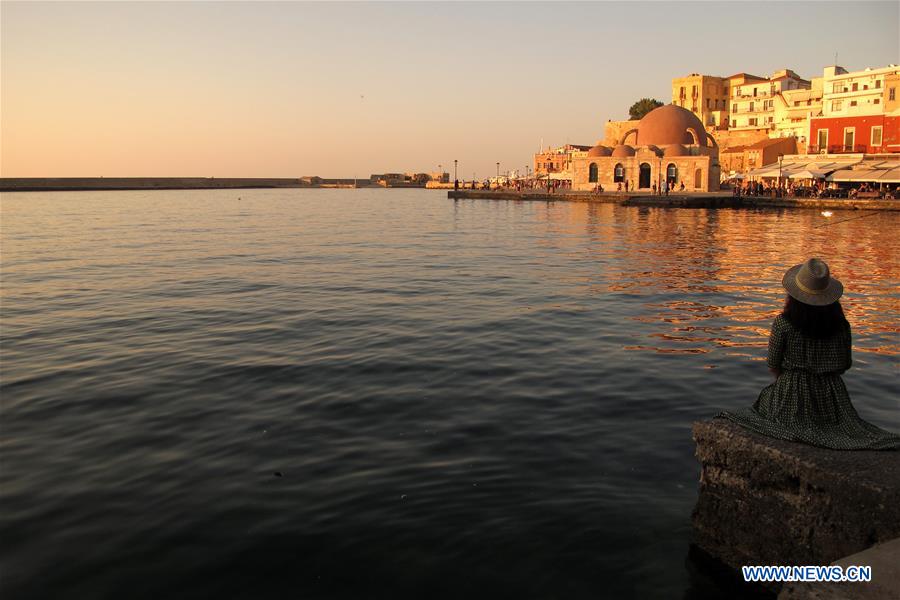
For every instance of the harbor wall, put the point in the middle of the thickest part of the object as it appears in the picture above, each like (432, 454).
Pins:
(44, 184)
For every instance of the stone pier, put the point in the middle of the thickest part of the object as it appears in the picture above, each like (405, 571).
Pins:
(765, 501)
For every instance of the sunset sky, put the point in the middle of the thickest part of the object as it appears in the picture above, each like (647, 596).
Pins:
(348, 89)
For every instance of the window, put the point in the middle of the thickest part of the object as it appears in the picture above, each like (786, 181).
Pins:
(734, 107)
(877, 100)
(619, 173)
(592, 173)
(849, 138)
(865, 87)
(751, 107)
(823, 140)
(754, 92)
(891, 93)
(853, 103)
(708, 103)
(737, 92)
(836, 105)
(752, 121)
(796, 103)
(877, 84)
(876, 136)
(734, 123)
(855, 87)
(836, 88)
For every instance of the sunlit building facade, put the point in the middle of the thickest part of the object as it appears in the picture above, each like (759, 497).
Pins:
(670, 144)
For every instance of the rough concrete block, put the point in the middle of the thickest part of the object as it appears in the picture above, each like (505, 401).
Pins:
(765, 501)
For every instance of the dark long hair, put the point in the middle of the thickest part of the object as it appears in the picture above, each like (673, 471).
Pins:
(815, 321)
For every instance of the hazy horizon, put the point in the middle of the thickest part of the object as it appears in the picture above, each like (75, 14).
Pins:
(348, 89)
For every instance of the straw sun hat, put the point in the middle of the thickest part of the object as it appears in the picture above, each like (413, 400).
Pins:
(812, 283)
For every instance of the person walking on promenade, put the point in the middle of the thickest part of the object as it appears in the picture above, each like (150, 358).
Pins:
(809, 349)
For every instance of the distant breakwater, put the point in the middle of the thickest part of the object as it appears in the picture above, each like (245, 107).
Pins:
(58, 184)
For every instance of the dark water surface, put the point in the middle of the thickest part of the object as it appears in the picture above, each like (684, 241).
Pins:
(385, 393)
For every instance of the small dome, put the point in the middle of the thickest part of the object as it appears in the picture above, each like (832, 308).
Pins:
(668, 125)
(622, 151)
(599, 150)
(654, 149)
(675, 150)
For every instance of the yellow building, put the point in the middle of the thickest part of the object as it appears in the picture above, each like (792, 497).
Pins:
(670, 144)
(704, 95)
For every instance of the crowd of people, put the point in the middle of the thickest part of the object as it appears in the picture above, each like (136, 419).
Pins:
(788, 188)
(815, 189)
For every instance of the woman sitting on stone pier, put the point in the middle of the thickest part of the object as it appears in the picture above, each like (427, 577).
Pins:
(809, 349)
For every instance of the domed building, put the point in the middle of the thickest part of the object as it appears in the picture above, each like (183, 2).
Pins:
(669, 144)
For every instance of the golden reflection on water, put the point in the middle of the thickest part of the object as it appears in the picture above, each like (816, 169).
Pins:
(734, 260)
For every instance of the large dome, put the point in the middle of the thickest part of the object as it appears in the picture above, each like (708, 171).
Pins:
(669, 125)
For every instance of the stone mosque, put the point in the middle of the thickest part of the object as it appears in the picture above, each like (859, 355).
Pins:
(669, 144)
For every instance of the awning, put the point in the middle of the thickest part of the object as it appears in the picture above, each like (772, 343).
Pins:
(890, 176)
(866, 175)
(799, 163)
(808, 174)
(765, 172)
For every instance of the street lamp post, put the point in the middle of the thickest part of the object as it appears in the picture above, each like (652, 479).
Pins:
(455, 178)
(659, 178)
(780, 158)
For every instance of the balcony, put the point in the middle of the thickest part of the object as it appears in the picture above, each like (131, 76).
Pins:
(837, 149)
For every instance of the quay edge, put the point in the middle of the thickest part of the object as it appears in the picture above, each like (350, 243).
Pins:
(702, 200)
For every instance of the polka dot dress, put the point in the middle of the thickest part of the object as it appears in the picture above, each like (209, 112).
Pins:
(808, 402)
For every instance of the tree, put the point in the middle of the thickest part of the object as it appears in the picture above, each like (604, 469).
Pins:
(642, 107)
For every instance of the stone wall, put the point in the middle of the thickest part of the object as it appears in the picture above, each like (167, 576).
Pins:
(686, 166)
(765, 501)
(614, 130)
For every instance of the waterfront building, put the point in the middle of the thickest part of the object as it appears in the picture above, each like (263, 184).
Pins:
(670, 144)
(860, 112)
(557, 162)
(870, 134)
(767, 151)
(857, 93)
(794, 109)
(704, 95)
(753, 98)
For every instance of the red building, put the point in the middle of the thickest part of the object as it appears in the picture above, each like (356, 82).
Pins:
(873, 134)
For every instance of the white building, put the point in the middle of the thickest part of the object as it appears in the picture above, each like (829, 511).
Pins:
(753, 98)
(855, 94)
